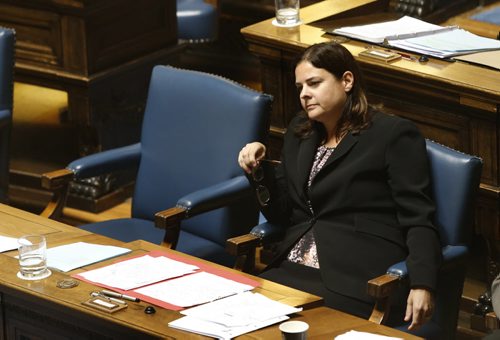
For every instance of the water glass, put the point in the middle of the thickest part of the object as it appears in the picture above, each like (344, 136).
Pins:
(287, 12)
(33, 257)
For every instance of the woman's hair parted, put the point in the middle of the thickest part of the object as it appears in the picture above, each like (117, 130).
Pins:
(336, 59)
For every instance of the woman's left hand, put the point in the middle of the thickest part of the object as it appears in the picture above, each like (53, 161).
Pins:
(419, 307)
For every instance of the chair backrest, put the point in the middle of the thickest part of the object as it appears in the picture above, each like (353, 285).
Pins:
(7, 41)
(197, 21)
(455, 183)
(193, 128)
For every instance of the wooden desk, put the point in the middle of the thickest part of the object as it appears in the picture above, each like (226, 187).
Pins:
(454, 103)
(326, 323)
(40, 310)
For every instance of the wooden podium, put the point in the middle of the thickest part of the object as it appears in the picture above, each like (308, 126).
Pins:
(101, 53)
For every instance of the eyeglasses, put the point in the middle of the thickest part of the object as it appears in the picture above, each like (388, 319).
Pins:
(261, 191)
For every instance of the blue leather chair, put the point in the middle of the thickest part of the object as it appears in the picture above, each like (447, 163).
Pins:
(455, 180)
(7, 41)
(193, 128)
(197, 21)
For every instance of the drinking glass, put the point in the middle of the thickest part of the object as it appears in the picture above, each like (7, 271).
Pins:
(287, 12)
(33, 257)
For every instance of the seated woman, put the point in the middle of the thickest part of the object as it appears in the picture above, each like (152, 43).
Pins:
(353, 190)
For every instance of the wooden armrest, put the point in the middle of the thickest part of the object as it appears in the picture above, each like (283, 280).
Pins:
(57, 182)
(491, 321)
(243, 247)
(381, 289)
(170, 220)
(56, 179)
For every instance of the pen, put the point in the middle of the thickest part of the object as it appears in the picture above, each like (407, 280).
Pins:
(120, 296)
(95, 294)
(403, 55)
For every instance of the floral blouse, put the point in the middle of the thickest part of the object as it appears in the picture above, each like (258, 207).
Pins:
(304, 252)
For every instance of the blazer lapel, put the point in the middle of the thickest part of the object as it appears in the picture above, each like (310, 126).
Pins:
(305, 157)
(344, 146)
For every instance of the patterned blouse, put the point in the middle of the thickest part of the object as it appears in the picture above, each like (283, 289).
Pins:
(304, 252)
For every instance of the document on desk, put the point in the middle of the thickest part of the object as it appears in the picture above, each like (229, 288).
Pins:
(377, 33)
(138, 272)
(447, 44)
(75, 255)
(194, 289)
(415, 35)
(8, 243)
(355, 335)
(232, 316)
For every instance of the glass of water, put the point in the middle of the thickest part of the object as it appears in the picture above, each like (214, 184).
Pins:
(287, 12)
(33, 257)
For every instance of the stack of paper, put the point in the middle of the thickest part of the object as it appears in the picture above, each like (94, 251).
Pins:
(194, 289)
(233, 316)
(411, 34)
(166, 282)
(447, 44)
(138, 272)
(397, 29)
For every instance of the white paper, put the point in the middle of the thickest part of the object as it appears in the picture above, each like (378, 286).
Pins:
(415, 35)
(232, 316)
(447, 44)
(138, 272)
(194, 325)
(193, 289)
(79, 254)
(8, 243)
(355, 335)
(241, 309)
(377, 33)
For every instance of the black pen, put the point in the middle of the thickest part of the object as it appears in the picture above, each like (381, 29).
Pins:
(120, 296)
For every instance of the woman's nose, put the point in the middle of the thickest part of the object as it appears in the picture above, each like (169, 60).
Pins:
(304, 92)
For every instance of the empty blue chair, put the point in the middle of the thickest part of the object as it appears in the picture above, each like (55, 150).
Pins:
(193, 128)
(7, 41)
(197, 21)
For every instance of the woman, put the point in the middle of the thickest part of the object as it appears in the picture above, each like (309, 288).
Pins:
(353, 192)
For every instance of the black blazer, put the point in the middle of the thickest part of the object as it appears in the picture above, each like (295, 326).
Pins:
(371, 203)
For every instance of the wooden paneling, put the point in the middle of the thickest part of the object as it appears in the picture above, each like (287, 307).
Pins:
(83, 47)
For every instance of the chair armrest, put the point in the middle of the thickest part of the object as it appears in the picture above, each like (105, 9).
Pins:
(89, 166)
(57, 182)
(382, 287)
(491, 321)
(268, 232)
(215, 196)
(195, 203)
(106, 161)
(244, 247)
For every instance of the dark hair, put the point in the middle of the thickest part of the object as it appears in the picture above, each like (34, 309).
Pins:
(336, 59)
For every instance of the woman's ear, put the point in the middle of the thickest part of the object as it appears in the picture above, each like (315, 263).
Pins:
(348, 80)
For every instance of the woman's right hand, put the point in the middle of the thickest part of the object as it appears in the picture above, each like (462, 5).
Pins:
(250, 156)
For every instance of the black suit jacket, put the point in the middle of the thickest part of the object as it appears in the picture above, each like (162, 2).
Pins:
(371, 203)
